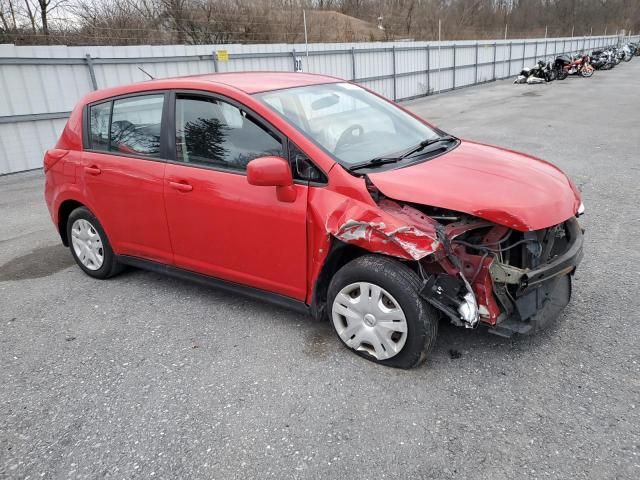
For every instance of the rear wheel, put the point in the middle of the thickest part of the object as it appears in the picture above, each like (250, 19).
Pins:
(562, 74)
(377, 312)
(90, 246)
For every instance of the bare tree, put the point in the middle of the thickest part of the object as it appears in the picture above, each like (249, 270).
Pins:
(122, 22)
(8, 15)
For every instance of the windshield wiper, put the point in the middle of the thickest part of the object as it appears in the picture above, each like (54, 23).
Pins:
(425, 143)
(374, 162)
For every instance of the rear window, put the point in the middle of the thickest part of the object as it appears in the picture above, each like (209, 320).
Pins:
(135, 125)
(99, 124)
(128, 125)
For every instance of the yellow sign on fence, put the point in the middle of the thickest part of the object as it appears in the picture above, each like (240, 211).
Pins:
(222, 56)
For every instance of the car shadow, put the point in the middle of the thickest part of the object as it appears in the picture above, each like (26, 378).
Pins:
(39, 262)
(454, 344)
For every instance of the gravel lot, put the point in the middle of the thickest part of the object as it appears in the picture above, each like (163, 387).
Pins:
(145, 376)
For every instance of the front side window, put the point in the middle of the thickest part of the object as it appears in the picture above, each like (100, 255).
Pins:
(135, 125)
(215, 133)
(350, 123)
(99, 125)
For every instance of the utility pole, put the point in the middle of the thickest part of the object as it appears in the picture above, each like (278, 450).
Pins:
(439, 46)
(504, 51)
(306, 44)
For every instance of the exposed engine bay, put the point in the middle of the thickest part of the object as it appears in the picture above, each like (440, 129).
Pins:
(519, 279)
(473, 270)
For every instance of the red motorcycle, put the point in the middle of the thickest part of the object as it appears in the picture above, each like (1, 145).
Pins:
(580, 64)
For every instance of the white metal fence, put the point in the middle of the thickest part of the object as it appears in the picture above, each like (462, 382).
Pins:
(39, 85)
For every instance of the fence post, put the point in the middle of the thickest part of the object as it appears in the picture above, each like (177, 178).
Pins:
(428, 69)
(393, 51)
(510, 48)
(353, 63)
(92, 73)
(215, 61)
(476, 69)
(454, 66)
(495, 54)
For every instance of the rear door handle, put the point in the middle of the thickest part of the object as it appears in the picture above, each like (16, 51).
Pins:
(181, 186)
(93, 170)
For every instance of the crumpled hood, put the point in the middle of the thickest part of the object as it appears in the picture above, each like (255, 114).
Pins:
(498, 185)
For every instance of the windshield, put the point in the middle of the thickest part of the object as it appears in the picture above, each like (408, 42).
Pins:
(348, 121)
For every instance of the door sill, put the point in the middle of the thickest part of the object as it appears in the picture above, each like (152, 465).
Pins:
(251, 292)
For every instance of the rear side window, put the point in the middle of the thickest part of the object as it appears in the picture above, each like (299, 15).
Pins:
(99, 124)
(218, 134)
(135, 125)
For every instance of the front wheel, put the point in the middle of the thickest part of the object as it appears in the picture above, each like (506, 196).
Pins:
(562, 74)
(376, 310)
(586, 72)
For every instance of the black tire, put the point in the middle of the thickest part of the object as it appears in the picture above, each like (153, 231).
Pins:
(562, 75)
(110, 265)
(404, 285)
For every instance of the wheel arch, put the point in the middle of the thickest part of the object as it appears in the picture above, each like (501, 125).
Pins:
(64, 210)
(340, 253)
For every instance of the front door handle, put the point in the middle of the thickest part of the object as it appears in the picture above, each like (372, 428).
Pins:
(181, 186)
(93, 170)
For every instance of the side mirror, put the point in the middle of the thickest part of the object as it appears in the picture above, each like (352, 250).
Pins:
(272, 172)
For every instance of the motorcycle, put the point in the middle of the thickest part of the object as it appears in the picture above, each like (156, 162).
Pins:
(540, 73)
(601, 60)
(559, 65)
(617, 55)
(580, 65)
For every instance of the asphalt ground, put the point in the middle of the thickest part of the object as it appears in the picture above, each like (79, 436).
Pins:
(144, 376)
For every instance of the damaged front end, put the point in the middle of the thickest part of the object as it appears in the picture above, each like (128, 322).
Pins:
(473, 270)
(405, 232)
(522, 280)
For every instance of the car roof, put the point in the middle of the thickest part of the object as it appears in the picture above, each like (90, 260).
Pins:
(255, 82)
(247, 82)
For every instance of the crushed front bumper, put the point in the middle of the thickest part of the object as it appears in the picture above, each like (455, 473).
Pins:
(541, 293)
(563, 264)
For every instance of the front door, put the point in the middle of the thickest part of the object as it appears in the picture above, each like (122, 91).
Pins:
(219, 224)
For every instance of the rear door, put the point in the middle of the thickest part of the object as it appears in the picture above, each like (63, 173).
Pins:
(123, 174)
(220, 225)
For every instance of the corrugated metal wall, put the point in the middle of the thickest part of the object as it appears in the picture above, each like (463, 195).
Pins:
(39, 85)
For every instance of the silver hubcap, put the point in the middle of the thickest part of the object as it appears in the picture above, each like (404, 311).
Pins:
(87, 244)
(368, 319)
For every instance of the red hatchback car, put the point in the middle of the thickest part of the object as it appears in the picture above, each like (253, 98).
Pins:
(317, 194)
